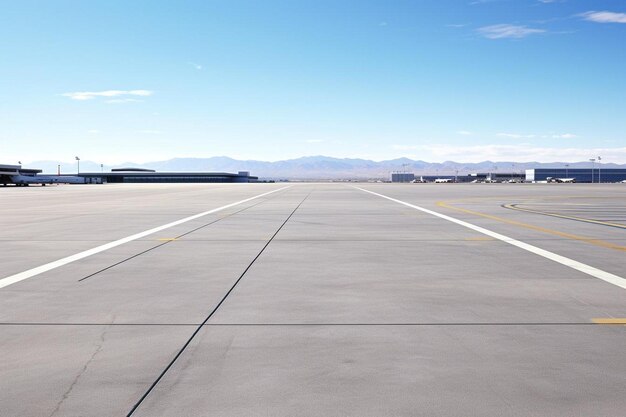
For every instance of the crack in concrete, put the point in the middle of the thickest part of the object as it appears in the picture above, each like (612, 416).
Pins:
(81, 372)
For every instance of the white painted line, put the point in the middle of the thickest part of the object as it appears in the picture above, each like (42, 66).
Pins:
(579, 266)
(81, 255)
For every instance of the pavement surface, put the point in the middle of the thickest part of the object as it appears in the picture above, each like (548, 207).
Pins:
(313, 300)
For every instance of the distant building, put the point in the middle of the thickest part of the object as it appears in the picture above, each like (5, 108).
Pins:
(578, 174)
(402, 176)
(140, 175)
(476, 177)
(15, 174)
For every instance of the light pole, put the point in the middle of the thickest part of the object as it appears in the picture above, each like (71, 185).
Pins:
(78, 165)
(592, 160)
(599, 170)
(101, 167)
(566, 168)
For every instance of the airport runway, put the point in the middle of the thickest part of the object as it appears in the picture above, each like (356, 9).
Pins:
(313, 300)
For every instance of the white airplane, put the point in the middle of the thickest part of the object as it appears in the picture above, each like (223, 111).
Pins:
(14, 174)
(25, 180)
(442, 180)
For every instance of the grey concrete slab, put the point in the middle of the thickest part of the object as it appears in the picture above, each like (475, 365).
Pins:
(111, 212)
(396, 371)
(81, 370)
(414, 282)
(180, 282)
(344, 258)
(404, 225)
(599, 246)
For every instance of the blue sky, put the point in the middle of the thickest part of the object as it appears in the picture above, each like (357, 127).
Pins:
(116, 81)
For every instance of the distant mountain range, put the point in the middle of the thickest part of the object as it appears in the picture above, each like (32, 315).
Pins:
(315, 167)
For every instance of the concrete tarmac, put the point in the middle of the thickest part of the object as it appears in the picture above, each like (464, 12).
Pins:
(313, 300)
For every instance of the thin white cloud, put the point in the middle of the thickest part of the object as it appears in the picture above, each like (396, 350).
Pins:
(196, 66)
(520, 153)
(604, 17)
(123, 100)
(93, 131)
(523, 136)
(515, 135)
(314, 141)
(464, 132)
(90, 95)
(504, 31)
(383, 24)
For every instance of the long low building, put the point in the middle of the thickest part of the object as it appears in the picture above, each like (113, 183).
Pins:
(139, 175)
(16, 175)
(577, 174)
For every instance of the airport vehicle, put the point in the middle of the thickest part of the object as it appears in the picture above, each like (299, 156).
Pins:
(561, 180)
(443, 180)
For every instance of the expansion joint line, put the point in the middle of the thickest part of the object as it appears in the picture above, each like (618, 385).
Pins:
(174, 239)
(199, 327)
(21, 276)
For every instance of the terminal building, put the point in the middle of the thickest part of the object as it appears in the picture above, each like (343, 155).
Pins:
(16, 175)
(140, 175)
(577, 174)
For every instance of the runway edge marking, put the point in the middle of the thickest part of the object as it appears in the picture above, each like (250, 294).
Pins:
(579, 266)
(21, 276)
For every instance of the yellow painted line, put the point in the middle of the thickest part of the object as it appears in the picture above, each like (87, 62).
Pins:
(520, 197)
(609, 321)
(591, 241)
(582, 219)
(168, 239)
(560, 259)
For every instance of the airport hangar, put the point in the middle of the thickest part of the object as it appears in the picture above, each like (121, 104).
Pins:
(578, 174)
(585, 175)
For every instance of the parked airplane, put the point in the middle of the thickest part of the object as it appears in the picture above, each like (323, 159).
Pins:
(561, 180)
(15, 174)
(25, 180)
